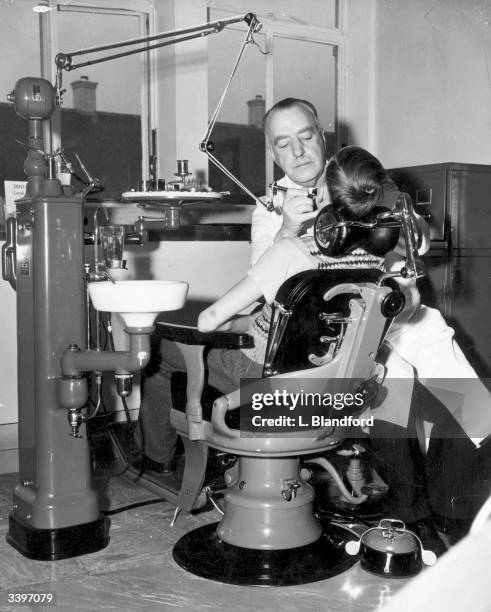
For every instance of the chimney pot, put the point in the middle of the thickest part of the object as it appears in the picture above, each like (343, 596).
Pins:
(84, 95)
(257, 109)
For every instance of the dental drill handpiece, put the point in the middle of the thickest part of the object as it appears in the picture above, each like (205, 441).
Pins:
(275, 188)
(91, 181)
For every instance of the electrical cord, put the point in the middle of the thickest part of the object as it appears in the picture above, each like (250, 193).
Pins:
(340, 516)
(147, 502)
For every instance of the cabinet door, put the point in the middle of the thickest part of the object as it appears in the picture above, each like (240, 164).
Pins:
(460, 287)
(434, 285)
(470, 203)
(428, 190)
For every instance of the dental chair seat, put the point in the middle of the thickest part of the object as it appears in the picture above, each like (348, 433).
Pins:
(269, 534)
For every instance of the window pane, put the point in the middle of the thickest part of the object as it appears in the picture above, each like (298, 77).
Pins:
(102, 104)
(304, 69)
(118, 81)
(238, 134)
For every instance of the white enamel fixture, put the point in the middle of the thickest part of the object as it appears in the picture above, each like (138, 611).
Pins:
(138, 301)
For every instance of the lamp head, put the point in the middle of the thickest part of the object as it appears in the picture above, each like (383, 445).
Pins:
(33, 98)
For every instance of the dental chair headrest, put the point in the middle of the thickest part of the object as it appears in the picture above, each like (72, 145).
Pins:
(337, 232)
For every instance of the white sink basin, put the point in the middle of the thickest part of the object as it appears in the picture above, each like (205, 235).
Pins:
(138, 301)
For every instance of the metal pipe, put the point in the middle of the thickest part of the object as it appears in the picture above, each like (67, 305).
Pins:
(328, 466)
(75, 362)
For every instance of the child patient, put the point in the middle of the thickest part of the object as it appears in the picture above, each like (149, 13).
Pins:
(419, 338)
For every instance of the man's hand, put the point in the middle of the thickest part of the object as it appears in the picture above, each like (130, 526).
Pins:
(298, 208)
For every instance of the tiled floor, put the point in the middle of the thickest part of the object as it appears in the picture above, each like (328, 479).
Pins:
(136, 572)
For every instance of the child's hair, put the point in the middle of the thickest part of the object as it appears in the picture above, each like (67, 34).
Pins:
(355, 179)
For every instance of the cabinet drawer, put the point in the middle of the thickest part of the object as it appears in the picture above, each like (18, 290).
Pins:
(428, 190)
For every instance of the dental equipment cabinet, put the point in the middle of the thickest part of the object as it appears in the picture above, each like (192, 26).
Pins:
(55, 510)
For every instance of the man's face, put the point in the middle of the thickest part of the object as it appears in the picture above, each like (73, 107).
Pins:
(297, 145)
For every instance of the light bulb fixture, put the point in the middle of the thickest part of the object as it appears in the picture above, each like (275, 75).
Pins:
(42, 7)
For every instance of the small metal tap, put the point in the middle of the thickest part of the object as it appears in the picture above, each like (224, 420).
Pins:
(75, 420)
(289, 493)
(105, 275)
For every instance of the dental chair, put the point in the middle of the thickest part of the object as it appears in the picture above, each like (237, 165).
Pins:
(326, 329)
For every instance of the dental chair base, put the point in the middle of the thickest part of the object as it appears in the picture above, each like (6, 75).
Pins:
(265, 499)
(204, 554)
(269, 534)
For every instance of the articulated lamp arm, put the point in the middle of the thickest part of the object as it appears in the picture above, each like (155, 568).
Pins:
(64, 61)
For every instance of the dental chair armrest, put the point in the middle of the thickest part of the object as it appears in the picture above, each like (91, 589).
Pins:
(226, 403)
(220, 408)
(191, 335)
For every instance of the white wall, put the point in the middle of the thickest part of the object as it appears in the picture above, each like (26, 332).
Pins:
(428, 87)
(358, 85)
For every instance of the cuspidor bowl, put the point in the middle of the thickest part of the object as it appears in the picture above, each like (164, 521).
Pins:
(138, 301)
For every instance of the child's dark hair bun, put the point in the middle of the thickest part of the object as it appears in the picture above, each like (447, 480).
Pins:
(355, 180)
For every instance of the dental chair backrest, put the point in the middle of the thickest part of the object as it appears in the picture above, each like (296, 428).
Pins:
(330, 324)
